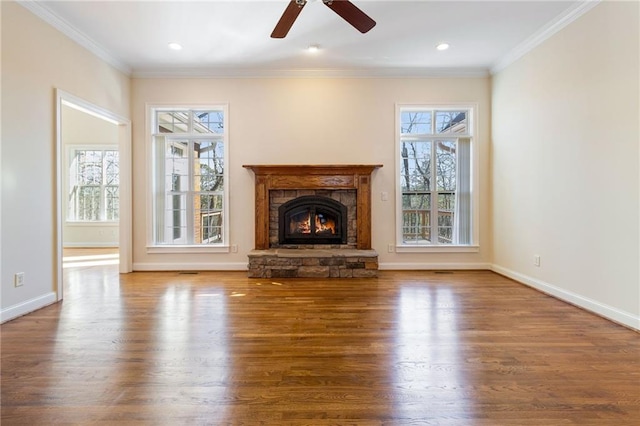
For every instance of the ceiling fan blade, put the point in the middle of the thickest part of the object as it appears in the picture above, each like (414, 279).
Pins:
(350, 13)
(287, 19)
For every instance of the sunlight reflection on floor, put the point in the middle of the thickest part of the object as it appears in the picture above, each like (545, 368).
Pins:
(90, 260)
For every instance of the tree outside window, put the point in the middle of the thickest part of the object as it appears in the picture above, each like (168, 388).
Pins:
(434, 176)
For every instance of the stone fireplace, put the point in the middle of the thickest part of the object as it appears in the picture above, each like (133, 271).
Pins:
(313, 221)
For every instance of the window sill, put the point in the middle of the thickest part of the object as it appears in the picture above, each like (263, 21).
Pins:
(437, 249)
(92, 223)
(187, 249)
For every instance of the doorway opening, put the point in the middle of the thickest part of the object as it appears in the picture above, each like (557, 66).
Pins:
(93, 152)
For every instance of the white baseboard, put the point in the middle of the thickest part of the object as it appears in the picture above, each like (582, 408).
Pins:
(239, 266)
(28, 306)
(431, 266)
(242, 266)
(591, 305)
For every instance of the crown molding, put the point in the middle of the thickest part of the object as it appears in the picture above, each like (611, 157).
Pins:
(561, 21)
(43, 12)
(312, 73)
(39, 9)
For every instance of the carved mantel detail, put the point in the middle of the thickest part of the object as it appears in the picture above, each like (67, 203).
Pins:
(283, 177)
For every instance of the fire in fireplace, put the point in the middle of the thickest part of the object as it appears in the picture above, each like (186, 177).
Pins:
(312, 219)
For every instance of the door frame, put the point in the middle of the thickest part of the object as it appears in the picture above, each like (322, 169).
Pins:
(125, 198)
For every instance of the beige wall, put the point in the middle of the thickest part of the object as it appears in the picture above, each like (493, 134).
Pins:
(565, 164)
(306, 121)
(80, 129)
(37, 59)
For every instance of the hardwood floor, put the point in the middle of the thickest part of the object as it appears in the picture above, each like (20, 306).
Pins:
(407, 348)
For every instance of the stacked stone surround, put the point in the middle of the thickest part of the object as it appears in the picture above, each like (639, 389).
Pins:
(313, 263)
(345, 196)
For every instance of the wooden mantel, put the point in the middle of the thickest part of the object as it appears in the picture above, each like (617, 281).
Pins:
(340, 176)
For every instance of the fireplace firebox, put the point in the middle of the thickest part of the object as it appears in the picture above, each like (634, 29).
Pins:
(312, 220)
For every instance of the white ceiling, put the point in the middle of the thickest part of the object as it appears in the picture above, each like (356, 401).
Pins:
(233, 36)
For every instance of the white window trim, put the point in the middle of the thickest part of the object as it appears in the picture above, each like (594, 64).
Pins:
(152, 247)
(210, 248)
(449, 248)
(474, 176)
(69, 151)
(81, 223)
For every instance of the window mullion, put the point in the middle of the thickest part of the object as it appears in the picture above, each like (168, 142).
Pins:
(190, 189)
(103, 188)
(160, 147)
(434, 196)
(433, 219)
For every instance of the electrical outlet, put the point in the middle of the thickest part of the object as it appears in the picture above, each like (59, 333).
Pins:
(234, 248)
(390, 248)
(536, 260)
(384, 196)
(18, 279)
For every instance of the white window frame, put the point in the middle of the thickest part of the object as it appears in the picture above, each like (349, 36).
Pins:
(474, 246)
(152, 159)
(70, 154)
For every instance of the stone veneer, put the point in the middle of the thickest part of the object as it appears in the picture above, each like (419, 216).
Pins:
(317, 263)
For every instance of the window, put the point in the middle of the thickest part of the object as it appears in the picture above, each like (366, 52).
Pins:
(190, 180)
(93, 185)
(434, 177)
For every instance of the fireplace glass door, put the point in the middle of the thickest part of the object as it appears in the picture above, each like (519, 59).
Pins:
(312, 220)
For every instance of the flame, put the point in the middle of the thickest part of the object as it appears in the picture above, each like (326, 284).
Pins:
(326, 225)
(303, 226)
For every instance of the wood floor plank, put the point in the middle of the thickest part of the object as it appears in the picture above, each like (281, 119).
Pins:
(406, 348)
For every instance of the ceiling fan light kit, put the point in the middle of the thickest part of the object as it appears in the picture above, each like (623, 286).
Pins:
(344, 8)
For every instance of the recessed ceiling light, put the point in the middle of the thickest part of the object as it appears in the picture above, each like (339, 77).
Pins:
(313, 48)
(175, 46)
(442, 46)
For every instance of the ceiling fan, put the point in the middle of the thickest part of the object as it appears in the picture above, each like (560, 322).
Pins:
(347, 10)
